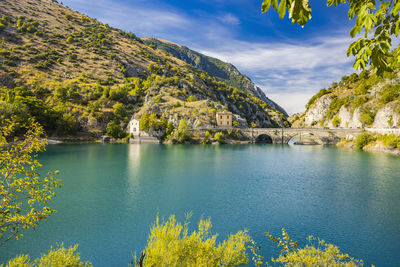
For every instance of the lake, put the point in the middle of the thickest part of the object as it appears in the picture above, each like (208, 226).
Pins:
(112, 193)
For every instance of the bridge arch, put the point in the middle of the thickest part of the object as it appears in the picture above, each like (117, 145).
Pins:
(263, 139)
(306, 138)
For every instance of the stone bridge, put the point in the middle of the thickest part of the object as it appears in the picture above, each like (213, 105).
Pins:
(322, 136)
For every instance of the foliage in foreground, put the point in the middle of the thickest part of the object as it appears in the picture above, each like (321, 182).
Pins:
(316, 253)
(171, 244)
(24, 195)
(376, 21)
(59, 257)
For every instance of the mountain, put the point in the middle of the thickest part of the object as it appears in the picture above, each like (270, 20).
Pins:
(78, 76)
(214, 67)
(358, 100)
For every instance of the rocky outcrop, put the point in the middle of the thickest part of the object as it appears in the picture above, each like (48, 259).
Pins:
(380, 147)
(387, 116)
(318, 110)
(349, 119)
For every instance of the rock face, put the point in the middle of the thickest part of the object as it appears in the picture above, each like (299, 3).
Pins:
(387, 117)
(318, 111)
(362, 100)
(349, 119)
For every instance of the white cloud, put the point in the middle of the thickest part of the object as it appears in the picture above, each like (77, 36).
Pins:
(230, 19)
(140, 19)
(289, 72)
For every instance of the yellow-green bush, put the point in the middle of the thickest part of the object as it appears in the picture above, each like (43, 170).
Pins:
(59, 257)
(171, 244)
(390, 140)
(219, 137)
(316, 253)
(363, 139)
(336, 121)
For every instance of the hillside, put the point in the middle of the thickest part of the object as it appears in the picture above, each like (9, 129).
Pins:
(214, 67)
(357, 101)
(76, 75)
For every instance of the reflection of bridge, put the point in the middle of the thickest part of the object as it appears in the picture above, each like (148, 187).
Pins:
(283, 135)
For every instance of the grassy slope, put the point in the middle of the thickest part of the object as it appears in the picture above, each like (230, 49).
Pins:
(222, 71)
(68, 71)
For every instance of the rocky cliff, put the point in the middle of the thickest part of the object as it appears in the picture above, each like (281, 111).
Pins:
(357, 101)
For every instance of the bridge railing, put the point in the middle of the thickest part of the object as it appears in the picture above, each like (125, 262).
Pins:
(384, 131)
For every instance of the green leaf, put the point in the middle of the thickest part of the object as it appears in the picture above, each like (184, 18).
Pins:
(275, 4)
(282, 9)
(265, 6)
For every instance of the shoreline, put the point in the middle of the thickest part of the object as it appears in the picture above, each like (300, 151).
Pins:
(375, 147)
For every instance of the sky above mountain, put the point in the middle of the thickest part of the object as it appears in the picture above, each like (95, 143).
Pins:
(288, 62)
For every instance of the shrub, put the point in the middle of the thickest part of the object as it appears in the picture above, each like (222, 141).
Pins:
(5, 52)
(219, 137)
(170, 128)
(192, 98)
(336, 121)
(114, 130)
(67, 124)
(70, 40)
(361, 89)
(55, 257)
(206, 139)
(367, 116)
(120, 94)
(316, 253)
(390, 140)
(30, 25)
(120, 111)
(182, 134)
(171, 244)
(359, 101)
(336, 104)
(390, 93)
(363, 139)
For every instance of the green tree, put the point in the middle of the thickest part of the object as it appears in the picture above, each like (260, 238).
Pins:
(206, 139)
(181, 134)
(24, 194)
(144, 121)
(363, 139)
(192, 98)
(114, 130)
(170, 128)
(376, 21)
(120, 111)
(171, 244)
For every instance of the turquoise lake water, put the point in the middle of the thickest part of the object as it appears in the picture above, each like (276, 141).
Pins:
(112, 193)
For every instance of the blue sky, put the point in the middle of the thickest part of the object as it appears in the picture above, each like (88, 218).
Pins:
(288, 62)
